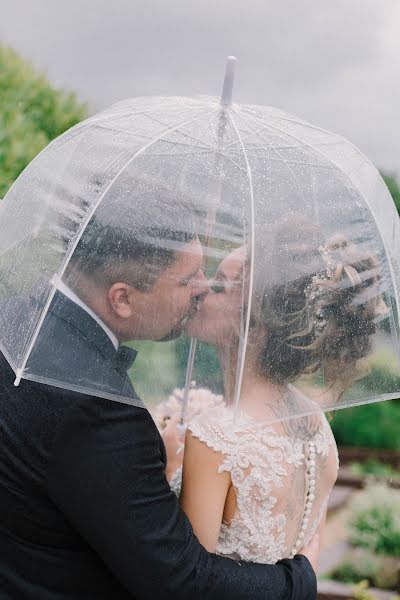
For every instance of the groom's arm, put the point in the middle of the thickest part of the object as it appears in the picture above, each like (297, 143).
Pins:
(107, 475)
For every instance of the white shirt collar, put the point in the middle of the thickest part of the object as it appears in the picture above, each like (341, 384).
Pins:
(64, 289)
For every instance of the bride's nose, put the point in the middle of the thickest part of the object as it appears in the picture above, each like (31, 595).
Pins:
(200, 285)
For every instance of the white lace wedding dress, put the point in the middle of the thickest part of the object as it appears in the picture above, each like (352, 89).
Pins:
(282, 475)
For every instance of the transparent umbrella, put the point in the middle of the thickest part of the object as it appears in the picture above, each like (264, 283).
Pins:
(272, 243)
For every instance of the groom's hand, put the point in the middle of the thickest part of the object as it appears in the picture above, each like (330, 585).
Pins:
(311, 551)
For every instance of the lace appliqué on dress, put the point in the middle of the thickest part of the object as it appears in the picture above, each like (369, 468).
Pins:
(260, 463)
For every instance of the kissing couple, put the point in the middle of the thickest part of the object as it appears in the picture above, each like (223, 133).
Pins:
(87, 510)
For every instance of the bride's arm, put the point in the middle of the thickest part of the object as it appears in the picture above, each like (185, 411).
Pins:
(204, 490)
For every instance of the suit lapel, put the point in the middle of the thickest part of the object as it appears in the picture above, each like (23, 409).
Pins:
(79, 319)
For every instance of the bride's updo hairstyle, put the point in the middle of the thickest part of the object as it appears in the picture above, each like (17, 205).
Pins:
(317, 305)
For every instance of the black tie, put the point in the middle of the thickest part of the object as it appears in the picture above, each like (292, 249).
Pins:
(125, 359)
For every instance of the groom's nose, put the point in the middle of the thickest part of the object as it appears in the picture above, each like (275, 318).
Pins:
(200, 285)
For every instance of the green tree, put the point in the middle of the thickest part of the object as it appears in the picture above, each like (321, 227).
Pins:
(32, 113)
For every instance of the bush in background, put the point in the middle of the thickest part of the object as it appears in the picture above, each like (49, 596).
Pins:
(375, 520)
(372, 425)
(32, 113)
(374, 532)
(360, 565)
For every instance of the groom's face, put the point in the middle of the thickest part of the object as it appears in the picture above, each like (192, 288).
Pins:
(162, 312)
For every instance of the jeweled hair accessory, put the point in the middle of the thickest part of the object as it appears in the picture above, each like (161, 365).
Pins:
(315, 290)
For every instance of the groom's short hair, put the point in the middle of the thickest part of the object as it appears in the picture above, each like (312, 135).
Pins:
(135, 233)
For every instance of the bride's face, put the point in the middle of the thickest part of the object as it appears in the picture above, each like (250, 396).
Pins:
(218, 317)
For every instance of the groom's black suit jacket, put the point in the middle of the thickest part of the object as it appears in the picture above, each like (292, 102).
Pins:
(85, 509)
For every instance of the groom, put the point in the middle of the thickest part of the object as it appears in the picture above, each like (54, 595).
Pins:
(86, 511)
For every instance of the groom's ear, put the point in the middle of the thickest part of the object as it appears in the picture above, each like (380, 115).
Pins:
(121, 299)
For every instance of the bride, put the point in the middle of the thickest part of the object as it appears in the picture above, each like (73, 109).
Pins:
(255, 490)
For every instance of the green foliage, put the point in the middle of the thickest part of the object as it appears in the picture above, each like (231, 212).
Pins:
(206, 371)
(372, 425)
(32, 113)
(155, 372)
(375, 520)
(161, 366)
(393, 186)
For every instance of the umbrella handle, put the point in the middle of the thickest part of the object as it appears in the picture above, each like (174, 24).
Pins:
(226, 100)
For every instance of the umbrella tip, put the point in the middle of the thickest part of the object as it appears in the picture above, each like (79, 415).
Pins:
(18, 376)
(226, 97)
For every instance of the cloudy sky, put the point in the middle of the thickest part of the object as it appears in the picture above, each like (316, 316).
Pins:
(335, 63)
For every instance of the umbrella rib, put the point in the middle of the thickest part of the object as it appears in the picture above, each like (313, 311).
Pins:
(80, 232)
(304, 144)
(103, 116)
(242, 357)
(91, 121)
(244, 138)
(203, 146)
(226, 157)
(188, 145)
(186, 135)
(302, 123)
(190, 137)
(293, 162)
(264, 128)
(206, 146)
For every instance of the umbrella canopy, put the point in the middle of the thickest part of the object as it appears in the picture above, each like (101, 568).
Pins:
(272, 242)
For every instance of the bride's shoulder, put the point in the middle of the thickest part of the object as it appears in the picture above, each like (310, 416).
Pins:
(219, 427)
(213, 417)
(213, 426)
